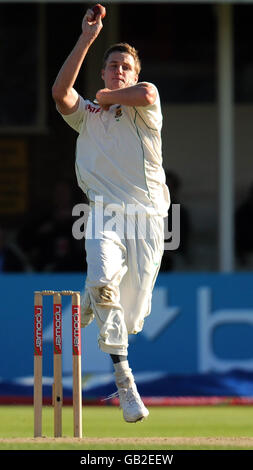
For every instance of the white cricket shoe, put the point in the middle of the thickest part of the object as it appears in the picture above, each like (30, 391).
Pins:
(131, 403)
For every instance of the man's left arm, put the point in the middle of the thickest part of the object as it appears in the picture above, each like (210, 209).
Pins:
(142, 94)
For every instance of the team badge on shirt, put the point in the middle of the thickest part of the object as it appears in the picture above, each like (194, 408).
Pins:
(118, 112)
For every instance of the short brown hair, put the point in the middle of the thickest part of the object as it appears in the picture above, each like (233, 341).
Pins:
(124, 47)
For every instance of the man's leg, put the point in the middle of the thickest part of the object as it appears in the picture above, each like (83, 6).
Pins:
(106, 267)
(106, 260)
(143, 256)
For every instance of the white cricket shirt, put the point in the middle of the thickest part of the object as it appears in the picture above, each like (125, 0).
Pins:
(119, 156)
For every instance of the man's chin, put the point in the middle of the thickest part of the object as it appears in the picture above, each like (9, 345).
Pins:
(118, 84)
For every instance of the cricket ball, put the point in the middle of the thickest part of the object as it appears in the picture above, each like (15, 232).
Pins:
(99, 10)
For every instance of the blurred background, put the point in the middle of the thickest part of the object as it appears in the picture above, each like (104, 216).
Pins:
(198, 339)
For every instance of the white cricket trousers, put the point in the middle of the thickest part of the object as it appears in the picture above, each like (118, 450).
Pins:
(123, 259)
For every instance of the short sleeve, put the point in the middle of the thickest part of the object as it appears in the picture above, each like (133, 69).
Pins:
(152, 114)
(76, 119)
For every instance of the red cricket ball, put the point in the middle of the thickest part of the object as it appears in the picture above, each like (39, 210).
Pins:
(99, 10)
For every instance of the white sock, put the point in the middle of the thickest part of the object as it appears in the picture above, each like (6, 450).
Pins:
(123, 374)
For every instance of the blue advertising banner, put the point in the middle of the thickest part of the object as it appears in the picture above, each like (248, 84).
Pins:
(199, 323)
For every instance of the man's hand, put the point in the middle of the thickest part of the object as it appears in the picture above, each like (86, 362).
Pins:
(91, 26)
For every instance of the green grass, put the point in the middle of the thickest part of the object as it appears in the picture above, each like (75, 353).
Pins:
(107, 422)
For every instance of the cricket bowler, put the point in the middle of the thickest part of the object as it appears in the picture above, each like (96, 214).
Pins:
(118, 165)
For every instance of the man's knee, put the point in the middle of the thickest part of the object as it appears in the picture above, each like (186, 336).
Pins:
(105, 296)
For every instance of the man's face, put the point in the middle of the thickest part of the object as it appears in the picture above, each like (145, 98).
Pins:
(119, 71)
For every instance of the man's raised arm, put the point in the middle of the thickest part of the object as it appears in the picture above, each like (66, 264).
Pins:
(64, 95)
